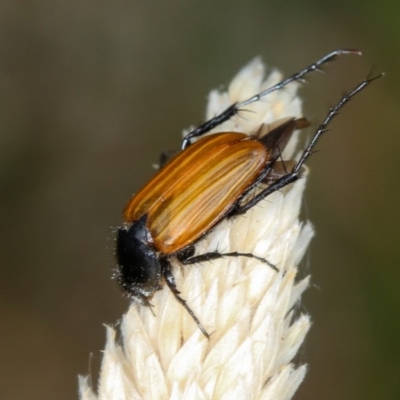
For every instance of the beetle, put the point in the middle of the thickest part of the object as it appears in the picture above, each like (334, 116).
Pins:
(206, 182)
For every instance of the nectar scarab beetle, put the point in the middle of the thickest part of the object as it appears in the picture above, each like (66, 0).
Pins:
(219, 176)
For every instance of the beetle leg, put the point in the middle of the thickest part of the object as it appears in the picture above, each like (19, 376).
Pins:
(165, 156)
(279, 170)
(275, 138)
(214, 255)
(268, 176)
(235, 108)
(170, 281)
(294, 175)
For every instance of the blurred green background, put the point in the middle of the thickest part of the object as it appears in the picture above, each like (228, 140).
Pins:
(91, 92)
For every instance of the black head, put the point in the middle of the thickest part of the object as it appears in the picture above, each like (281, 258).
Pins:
(139, 268)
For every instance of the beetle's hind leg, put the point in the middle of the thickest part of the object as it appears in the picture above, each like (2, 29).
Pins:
(294, 174)
(236, 107)
(170, 281)
(215, 255)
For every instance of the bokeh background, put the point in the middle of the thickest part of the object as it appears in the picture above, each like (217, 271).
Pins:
(91, 92)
